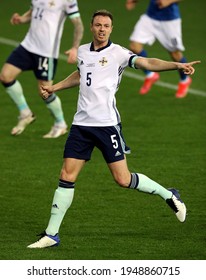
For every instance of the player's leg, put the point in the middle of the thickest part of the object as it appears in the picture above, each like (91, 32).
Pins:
(62, 200)
(113, 147)
(77, 151)
(170, 36)
(138, 181)
(14, 89)
(63, 195)
(185, 80)
(45, 75)
(143, 183)
(142, 34)
(54, 105)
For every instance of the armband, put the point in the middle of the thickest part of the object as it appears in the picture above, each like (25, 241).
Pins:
(133, 62)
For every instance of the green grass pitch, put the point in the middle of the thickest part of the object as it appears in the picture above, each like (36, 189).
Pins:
(167, 138)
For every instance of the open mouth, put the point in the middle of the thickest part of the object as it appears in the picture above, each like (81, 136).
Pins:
(101, 35)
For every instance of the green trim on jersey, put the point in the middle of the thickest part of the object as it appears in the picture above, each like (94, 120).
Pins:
(51, 69)
(133, 62)
(74, 15)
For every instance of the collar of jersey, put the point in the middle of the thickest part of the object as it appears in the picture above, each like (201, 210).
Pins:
(100, 49)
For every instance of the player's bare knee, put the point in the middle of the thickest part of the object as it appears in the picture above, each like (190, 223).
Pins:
(5, 79)
(67, 176)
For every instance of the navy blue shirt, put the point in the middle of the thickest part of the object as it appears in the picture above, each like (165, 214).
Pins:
(169, 13)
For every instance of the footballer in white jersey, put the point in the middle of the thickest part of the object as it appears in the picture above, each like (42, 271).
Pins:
(38, 52)
(101, 72)
(47, 20)
(96, 123)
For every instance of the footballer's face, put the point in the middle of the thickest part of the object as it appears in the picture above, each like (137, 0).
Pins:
(101, 28)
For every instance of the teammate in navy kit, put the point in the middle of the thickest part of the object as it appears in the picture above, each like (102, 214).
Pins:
(46, 20)
(162, 22)
(97, 122)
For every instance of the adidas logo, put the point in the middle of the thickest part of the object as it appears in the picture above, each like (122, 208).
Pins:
(44, 74)
(117, 154)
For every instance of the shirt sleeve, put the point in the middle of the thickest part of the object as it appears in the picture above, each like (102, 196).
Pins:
(72, 9)
(125, 56)
(132, 61)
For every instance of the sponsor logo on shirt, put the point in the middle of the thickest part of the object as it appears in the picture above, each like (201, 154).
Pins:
(90, 65)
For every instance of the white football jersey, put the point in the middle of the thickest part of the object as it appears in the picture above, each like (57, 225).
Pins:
(46, 27)
(100, 74)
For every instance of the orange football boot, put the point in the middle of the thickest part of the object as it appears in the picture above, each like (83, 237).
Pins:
(183, 87)
(148, 82)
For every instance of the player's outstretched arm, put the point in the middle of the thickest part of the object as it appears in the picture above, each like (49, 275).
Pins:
(18, 19)
(158, 65)
(77, 37)
(71, 81)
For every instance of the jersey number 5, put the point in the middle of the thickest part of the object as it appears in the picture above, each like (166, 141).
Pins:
(89, 80)
(114, 141)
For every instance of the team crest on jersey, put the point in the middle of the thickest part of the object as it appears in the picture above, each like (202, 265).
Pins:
(51, 3)
(103, 61)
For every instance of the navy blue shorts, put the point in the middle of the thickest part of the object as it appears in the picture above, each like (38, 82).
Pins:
(109, 140)
(44, 68)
